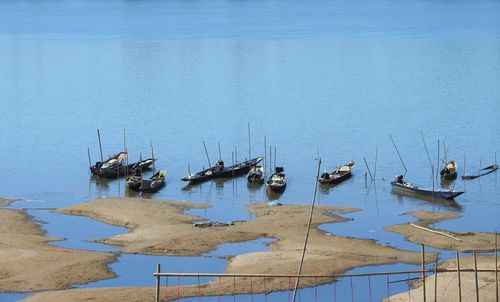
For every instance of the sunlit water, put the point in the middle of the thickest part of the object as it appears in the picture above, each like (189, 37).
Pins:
(334, 77)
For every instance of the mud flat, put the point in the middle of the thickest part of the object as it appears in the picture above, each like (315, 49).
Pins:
(29, 263)
(459, 241)
(4, 202)
(161, 228)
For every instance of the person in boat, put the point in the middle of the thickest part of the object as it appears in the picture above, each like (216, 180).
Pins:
(219, 166)
(399, 180)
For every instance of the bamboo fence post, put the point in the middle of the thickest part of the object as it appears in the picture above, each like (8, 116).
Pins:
(158, 282)
(476, 278)
(459, 283)
(368, 168)
(423, 271)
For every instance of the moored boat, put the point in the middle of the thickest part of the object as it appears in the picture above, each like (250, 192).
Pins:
(277, 181)
(449, 172)
(256, 175)
(481, 172)
(338, 175)
(220, 171)
(154, 183)
(401, 186)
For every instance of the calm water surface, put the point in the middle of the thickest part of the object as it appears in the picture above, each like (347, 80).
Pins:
(333, 76)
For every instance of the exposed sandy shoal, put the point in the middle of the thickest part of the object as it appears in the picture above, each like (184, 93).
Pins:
(447, 283)
(4, 202)
(29, 263)
(477, 241)
(161, 228)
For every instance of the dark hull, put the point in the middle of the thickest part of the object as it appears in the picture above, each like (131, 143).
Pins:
(490, 169)
(253, 179)
(155, 188)
(449, 177)
(441, 194)
(277, 188)
(134, 184)
(123, 170)
(154, 183)
(338, 178)
(228, 172)
(238, 169)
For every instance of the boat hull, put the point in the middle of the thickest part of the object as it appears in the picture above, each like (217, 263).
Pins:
(441, 194)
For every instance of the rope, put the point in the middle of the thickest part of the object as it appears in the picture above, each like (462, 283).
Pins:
(308, 229)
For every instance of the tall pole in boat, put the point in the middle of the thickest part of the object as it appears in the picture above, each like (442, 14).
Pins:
(432, 167)
(88, 153)
(437, 164)
(100, 145)
(218, 146)
(206, 153)
(307, 232)
(235, 155)
(265, 154)
(274, 158)
(399, 155)
(249, 143)
(270, 160)
(125, 149)
(152, 155)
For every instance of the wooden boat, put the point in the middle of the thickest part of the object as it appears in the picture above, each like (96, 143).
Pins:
(111, 163)
(220, 171)
(256, 175)
(121, 169)
(154, 183)
(449, 172)
(338, 175)
(277, 181)
(134, 180)
(489, 169)
(407, 187)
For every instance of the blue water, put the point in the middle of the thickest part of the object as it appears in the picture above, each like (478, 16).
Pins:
(333, 76)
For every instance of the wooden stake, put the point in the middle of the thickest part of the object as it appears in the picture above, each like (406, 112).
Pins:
(270, 160)
(475, 277)
(367, 167)
(158, 283)
(124, 141)
(265, 155)
(152, 155)
(88, 153)
(235, 154)
(375, 169)
(423, 271)
(437, 164)
(435, 232)
(399, 155)
(100, 145)
(459, 281)
(206, 153)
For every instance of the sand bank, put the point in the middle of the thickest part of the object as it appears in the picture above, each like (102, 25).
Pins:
(29, 263)
(447, 283)
(160, 228)
(4, 202)
(469, 241)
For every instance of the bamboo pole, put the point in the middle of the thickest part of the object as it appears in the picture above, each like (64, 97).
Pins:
(437, 164)
(100, 145)
(308, 229)
(375, 168)
(90, 161)
(152, 155)
(459, 281)
(435, 279)
(496, 261)
(218, 146)
(423, 272)
(265, 156)
(249, 143)
(475, 277)
(206, 153)
(435, 232)
(274, 158)
(270, 160)
(367, 167)
(235, 154)
(432, 167)
(158, 283)
(399, 155)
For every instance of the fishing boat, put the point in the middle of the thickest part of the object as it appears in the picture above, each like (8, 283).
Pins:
(111, 163)
(449, 172)
(134, 180)
(277, 181)
(401, 186)
(220, 171)
(256, 175)
(338, 175)
(154, 183)
(481, 172)
(121, 170)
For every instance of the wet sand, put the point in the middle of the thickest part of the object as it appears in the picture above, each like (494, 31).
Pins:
(29, 263)
(447, 283)
(160, 228)
(469, 241)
